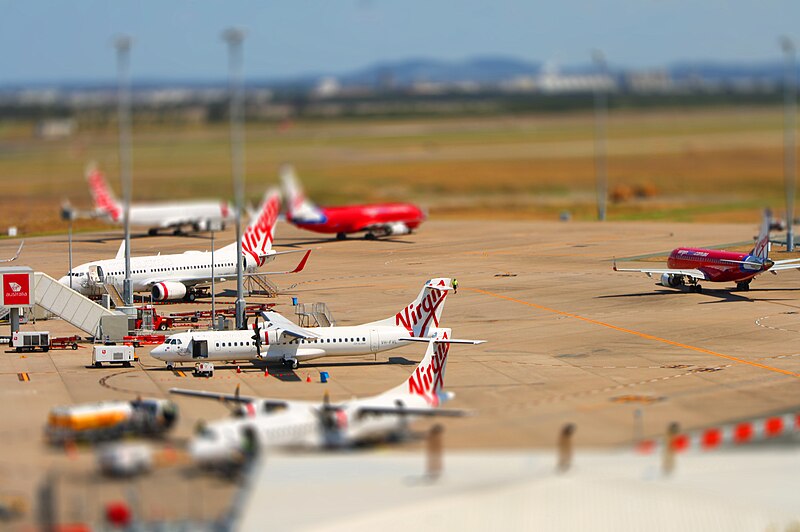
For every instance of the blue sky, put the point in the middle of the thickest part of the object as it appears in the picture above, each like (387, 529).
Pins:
(54, 40)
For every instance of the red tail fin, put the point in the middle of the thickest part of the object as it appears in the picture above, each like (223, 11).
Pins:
(104, 200)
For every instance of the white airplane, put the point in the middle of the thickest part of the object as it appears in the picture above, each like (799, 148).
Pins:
(198, 215)
(280, 340)
(177, 276)
(307, 424)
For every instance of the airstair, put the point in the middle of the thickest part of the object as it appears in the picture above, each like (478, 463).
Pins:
(314, 315)
(258, 284)
(114, 294)
(69, 305)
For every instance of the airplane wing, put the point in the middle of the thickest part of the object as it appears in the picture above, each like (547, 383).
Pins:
(395, 411)
(276, 320)
(694, 273)
(298, 268)
(16, 255)
(229, 397)
(195, 280)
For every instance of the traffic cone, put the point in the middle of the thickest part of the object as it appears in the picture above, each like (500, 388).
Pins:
(238, 369)
(266, 372)
(308, 378)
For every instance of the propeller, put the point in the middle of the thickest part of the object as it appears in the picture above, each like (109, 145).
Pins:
(257, 337)
(330, 422)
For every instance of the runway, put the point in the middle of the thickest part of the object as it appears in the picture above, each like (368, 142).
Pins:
(568, 339)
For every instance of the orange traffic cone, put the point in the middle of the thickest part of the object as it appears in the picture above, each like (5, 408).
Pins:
(238, 369)
(308, 378)
(266, 372)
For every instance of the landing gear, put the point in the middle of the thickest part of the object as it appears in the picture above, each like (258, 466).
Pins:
(177, 231)
(152, 232)
(341, 236)
(697, 288)
(744, 285)
(191, 295)
(170, 367)
(370, 236)
(290, 363)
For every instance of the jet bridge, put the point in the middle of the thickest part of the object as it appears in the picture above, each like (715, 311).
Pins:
(73, 307)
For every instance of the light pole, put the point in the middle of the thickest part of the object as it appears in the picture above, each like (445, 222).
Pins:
(68, 214)
(234, 38)
(123, 46)
(789, 126)
(600, 116)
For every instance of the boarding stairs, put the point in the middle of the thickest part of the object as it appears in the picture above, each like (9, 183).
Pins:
(314, 315)
(68, 304)
(114, 294)
(258, 284)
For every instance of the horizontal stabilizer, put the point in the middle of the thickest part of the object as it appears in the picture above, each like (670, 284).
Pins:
(443, 340)
(399, 411)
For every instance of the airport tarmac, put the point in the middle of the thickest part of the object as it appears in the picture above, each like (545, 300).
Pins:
(568, 339)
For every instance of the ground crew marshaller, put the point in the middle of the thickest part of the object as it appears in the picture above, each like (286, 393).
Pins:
(455, 286)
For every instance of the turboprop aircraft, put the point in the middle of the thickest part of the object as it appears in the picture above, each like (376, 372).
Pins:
(175, 215)
(279, 340)
(307, 424)
(177, 276)
(689, 266)
(376, 220)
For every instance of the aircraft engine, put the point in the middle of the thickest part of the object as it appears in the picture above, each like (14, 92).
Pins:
(672, 281)
(273, 336)
(168, 291)
(397, 228)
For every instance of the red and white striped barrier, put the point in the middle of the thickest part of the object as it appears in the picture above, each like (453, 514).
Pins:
(726, 435)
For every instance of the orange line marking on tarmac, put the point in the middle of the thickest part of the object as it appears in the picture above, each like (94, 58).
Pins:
(24, 377)
(637, 333)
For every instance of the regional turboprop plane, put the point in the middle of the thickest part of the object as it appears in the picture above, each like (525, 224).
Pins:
(280, 340)
(688, 266)
(380, 219)
(307, 424)
(197, 215)
(177, 276)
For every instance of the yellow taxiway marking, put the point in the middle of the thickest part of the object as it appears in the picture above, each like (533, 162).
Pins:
(637, 333)
(179, 373)
(24, 377)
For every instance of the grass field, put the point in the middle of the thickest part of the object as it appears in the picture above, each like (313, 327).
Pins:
(722, 164)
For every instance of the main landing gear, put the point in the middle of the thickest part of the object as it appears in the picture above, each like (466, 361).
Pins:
(743, 285)
(696, 288)
(341, 236)
(290, 363)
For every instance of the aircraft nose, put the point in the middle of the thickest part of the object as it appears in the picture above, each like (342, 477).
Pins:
(158, 351)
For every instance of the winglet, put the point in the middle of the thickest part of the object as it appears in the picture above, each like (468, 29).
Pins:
(16, 255)
(302, 264)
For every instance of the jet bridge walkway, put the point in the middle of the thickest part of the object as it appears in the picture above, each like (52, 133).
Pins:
(69, 305)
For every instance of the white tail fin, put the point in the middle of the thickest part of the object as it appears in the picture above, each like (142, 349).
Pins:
(259, 234)
(761, 248)
(425, 311)
(104, 200)
(298, 208)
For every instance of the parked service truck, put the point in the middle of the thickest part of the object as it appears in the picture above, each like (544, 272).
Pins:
(110, 420)
(114, 354)
(30, 341)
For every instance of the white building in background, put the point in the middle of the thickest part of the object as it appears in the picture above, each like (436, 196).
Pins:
(552, 81)
(327, 87)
